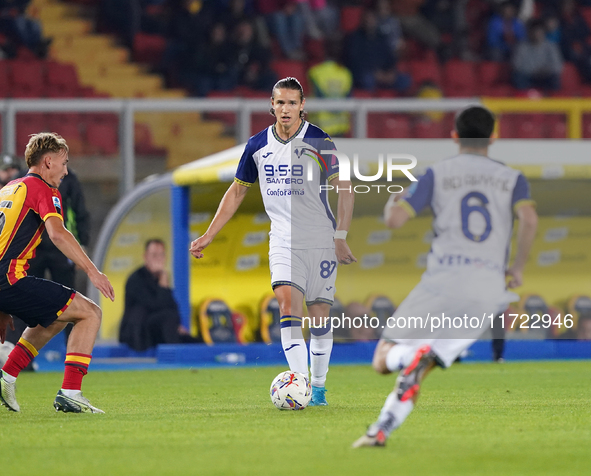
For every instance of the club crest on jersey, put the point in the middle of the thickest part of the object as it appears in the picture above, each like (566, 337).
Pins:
(57, 204)
(315, 156)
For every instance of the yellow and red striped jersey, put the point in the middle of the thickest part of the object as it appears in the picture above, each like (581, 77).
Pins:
(25, 204)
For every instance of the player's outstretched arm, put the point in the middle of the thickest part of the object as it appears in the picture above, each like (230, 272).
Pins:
(526, 232)
(395, 215)
(67, 244)
(228, 206)
(345, 204)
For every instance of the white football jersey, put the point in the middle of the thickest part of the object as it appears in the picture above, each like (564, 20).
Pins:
(290, 174)
(473, 198)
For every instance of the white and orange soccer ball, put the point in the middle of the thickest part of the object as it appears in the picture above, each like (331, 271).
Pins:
(291, 391)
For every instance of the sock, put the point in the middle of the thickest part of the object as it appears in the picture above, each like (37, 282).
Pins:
(398, 357)
(19, 357)
(294, 345)
(76, 368)
(320, 348)
(394, 412)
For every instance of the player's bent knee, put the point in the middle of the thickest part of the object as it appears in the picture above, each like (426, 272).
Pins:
(379, 365)
(379, 357)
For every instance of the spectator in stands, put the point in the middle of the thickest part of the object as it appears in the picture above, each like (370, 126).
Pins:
(537, 62)
(151, 315)
(251, 59)
(370, 59)
(331, 79)
(414, 24)
(319, 17)
(505, 30)
(211, 66)
(449, 17)
(10, 169)
(389, 26)
(552, 25)
(20, 29)
(574, 39)
(287, 24)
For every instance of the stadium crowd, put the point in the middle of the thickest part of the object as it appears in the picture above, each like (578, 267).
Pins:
(210, 46)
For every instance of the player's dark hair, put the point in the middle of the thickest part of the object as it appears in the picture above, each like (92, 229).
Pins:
(288, 83)
(158, 241)
(475, 125)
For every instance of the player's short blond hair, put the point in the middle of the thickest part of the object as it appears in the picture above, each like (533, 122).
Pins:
(41, 144)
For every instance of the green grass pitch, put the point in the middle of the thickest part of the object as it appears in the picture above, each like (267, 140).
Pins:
(472, 419)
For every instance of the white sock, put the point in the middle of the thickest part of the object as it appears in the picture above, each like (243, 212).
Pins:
(294, 345)
(69, 393)
(8, 378)
(320, 349)
(394, 412)
(398, 357)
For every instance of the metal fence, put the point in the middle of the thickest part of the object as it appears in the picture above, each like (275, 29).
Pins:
(244, 108)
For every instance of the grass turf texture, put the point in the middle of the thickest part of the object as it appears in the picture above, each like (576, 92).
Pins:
(484, 419)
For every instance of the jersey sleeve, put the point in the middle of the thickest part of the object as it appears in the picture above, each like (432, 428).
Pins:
(521, 195)
(419, 195)
(49, 203)
(332, 163)
(247, 172)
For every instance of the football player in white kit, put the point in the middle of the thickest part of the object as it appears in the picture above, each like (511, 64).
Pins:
(473, 199)
(306, 241)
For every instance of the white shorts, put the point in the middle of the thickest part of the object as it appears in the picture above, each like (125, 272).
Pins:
(313, 272)
(447, 343)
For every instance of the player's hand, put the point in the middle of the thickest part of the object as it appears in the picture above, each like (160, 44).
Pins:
(344, 255)
(515, 278)
(198, 245)
(5, 321)
(101, 282)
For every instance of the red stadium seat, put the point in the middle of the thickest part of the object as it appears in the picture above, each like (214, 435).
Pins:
(555, 126)
(297, 69)
(62, 80)
(148, 48)
(27, 124)
(350, 18)
(493, 78)
(529, 126)
(428, 129)
(423, 71)
(586, 126)
(102, 138)
(315, 51)
(586, 13)
(4, 78)
(396, 126)
(260, 121)
(361, 93)
(69, 126)
(27, 79)
(507, 126)
(143, 141)
(459, 79)
(570, 80)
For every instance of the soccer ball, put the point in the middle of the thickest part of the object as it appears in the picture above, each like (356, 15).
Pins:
(291, 391)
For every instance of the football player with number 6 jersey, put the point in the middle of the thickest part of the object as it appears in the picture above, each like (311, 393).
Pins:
(474, 199)
(292, 162)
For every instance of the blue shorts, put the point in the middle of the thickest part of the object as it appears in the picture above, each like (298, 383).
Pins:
(35, 300)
